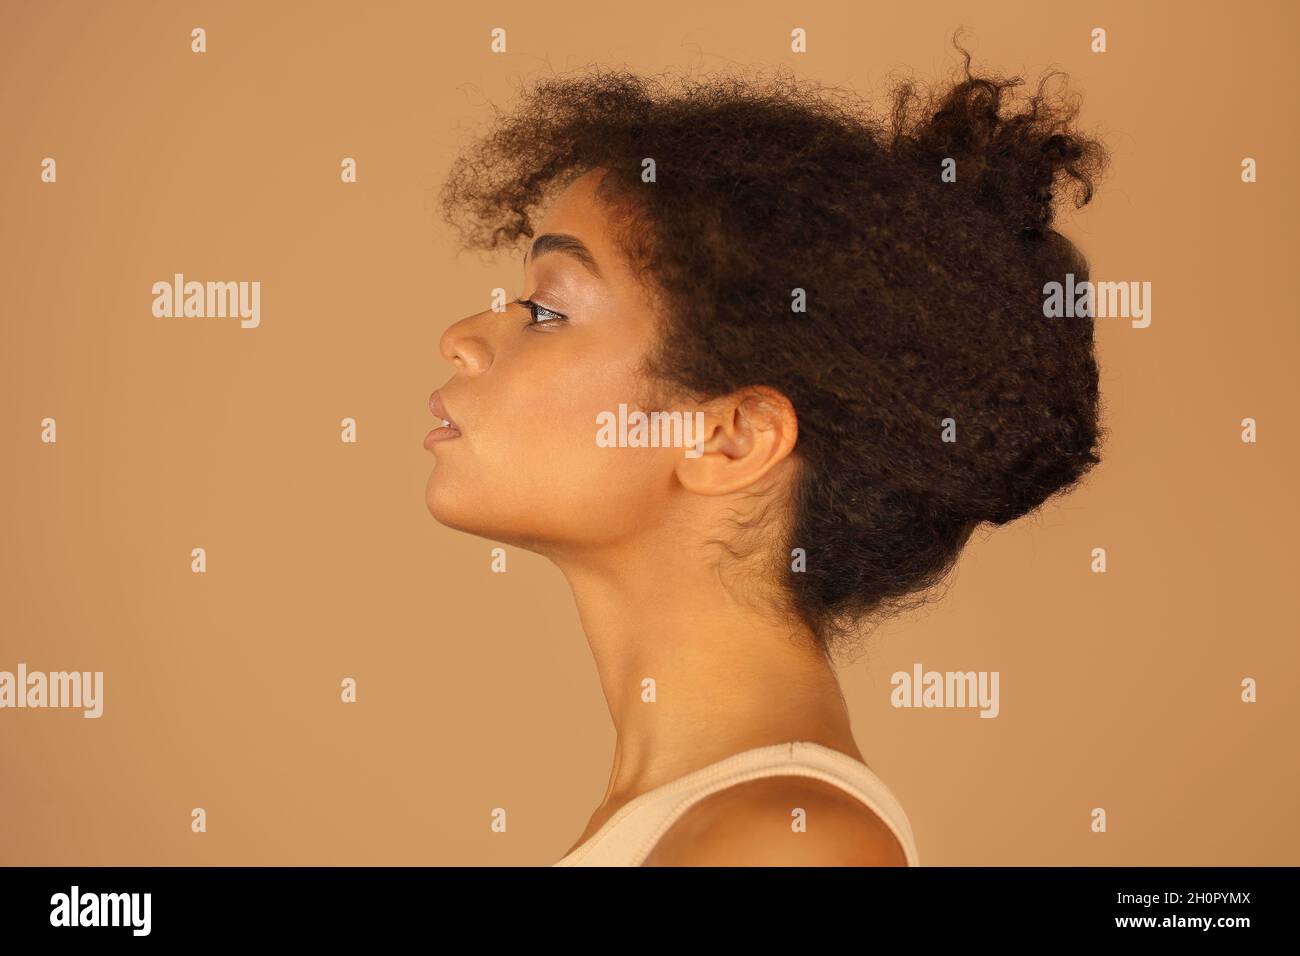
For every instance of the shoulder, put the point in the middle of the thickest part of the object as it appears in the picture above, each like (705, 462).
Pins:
(779, 821)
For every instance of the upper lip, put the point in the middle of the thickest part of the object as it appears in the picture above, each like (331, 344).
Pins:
(438, 408)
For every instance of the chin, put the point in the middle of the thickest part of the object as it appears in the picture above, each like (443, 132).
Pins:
(467, 511)
(446, 506)
(512, 517)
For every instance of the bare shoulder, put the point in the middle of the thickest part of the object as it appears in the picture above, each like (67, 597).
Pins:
(759, 823)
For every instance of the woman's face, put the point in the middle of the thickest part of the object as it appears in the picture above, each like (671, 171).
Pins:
(526, 468)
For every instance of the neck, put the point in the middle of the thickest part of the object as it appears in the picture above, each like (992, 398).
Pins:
(727, 676)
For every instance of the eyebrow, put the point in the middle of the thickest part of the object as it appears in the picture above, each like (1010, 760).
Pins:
(567, 244)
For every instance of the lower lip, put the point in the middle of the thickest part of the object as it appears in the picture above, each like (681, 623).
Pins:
(440, 434)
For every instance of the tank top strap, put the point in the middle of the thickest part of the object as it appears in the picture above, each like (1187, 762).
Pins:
(627, 838)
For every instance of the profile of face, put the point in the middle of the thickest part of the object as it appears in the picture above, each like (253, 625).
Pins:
(770, 273)
(529, 386)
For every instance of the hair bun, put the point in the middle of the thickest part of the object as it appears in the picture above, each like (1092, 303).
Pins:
(1009, 165)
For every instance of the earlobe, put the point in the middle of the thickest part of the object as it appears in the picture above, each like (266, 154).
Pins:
(703, 470)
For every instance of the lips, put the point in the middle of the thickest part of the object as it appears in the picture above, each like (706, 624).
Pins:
(440, 410)
(446, 428)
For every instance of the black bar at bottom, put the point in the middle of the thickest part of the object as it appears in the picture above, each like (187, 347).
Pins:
(467, 905)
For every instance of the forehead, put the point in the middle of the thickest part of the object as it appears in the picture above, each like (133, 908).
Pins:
(577, 198)
(578, 211)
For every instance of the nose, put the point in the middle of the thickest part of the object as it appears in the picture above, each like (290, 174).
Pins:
(465, 345)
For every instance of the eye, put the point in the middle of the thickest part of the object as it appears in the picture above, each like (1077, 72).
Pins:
(541, 315)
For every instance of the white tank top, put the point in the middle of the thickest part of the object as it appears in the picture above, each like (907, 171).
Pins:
(627, 838)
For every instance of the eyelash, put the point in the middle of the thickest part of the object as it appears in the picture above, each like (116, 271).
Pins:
(533, 308)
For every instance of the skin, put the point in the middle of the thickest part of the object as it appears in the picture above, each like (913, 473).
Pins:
(627, 526)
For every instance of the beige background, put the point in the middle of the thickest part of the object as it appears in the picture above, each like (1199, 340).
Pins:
(476, 689)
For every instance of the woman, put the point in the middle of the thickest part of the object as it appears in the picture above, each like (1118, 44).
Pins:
(833, 327)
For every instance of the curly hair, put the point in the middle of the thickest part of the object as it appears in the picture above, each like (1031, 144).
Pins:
(923, 292)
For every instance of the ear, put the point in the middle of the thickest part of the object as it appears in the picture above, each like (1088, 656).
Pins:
(745, 436)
